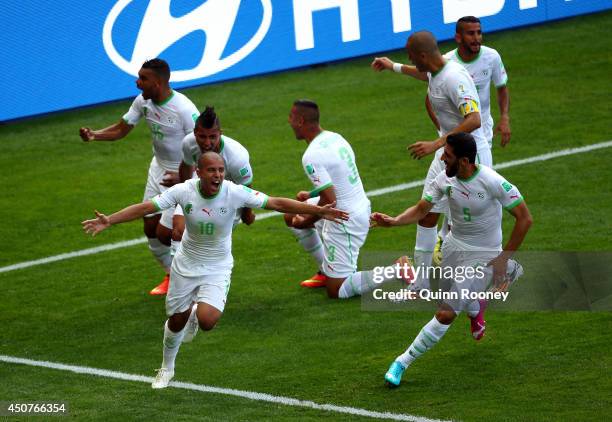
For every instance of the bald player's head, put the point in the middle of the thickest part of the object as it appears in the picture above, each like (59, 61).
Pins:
(422, 42)
(209, 158)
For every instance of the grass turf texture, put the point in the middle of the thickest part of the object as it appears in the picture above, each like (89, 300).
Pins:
(276, 337)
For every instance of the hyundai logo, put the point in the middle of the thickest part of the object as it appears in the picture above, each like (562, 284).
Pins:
(159, 30)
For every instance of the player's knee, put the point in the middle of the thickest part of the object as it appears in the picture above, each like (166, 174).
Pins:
(445, 315)
(430, 220)
(207, 323)
(177, 322)
(333, 288)
(288, 219)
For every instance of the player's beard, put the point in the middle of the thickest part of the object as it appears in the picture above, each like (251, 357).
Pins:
(452, 170)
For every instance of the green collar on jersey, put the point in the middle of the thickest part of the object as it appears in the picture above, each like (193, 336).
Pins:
(469, 61)
(221, 144)
(211, 196)
(469, 179)
(433, 74)
(161, 103)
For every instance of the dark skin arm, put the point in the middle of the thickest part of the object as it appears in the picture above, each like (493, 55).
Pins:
(503, 127)
(110, 133)
(326, 196)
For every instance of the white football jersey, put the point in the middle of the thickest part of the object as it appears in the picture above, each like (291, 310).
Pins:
(207, 241)
(475, 206)
(328, 161)
(453, 95)
(487, 67)
(169, 122)
(235, 156)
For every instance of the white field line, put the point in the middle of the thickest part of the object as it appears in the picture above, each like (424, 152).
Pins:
(251, 395)
(263, 216)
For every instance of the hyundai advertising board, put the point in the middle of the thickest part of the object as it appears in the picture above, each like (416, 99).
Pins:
(64, 54)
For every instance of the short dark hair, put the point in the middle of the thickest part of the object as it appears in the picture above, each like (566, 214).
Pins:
(208, 119)
(308, 109)
(463, 145)
(160, 67)
(465, 19)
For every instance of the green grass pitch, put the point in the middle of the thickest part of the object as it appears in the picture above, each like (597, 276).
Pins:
(275, 337)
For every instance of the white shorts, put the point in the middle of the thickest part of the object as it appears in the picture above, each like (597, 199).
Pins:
(467, 277)
(483, 156)
(342, 242)
(209, 289)
(153, 188)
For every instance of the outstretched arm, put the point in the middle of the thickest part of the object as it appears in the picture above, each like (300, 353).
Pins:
(384, 63)
(410, 216)
(111, 133)
(102, 222)
(286, 205)
(470, 123)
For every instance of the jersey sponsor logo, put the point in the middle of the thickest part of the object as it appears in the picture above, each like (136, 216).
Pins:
(223, 210)
(244, 171)
(188, 208)
(310, 169)
(159, 31)
(481, 195)
(514, 196)
(507, 186)
(466, 194)
(208, 211)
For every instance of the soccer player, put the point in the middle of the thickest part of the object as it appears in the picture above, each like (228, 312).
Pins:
(476, 195)
(455, 101)
(485, 67)
(170, 116)
(203, 263)
(329, 163)
(208, 136)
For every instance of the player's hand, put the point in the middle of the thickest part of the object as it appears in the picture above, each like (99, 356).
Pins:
(503, 128)
(302, 196)
(378, 219)
(330, 213)
(86, 134)
(95, 226)
(381, 63)
(500, 268)
(247, 216)
(170, 178)
(420, 149)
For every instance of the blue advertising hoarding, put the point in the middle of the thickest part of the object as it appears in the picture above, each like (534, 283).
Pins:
(68, 53)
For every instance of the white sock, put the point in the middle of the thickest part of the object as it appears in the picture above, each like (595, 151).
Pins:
(172, 343)
(473, 308)
(161, 252)
(428, 337)
(311, 242)
(363, 281)
(423, 251)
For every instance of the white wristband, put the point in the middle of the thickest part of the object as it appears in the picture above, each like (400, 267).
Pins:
(397, 67)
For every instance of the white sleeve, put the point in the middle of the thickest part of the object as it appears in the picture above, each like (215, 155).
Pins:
(247, 197)
(463, 94)
(507, 194)
(189, 114)
(186, 147)
(132, 117)
(170, 197)
(317, 174)
(434, 191)
(242, 173)
(499, 76)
